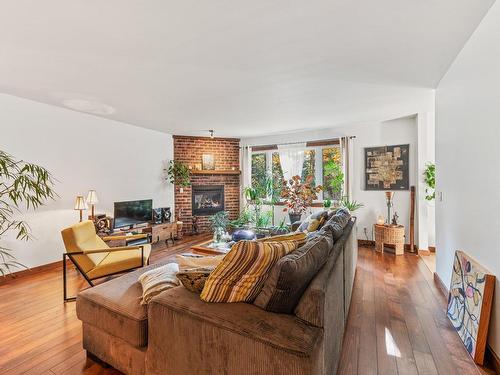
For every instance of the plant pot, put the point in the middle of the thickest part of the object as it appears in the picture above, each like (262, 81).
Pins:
(294, 217)
(279, 231)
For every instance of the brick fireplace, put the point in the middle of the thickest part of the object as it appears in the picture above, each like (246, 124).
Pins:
(208, 186)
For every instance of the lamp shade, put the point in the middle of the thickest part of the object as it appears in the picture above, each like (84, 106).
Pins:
(80, 203)
(92, 197)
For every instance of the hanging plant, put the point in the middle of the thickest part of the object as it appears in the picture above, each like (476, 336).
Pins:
(178, 173)
(430, 180)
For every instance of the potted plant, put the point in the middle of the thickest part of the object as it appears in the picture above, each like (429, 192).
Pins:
(351, 205)
(298, 195)
(430, 180)
(21, 184)
(178, 174)
(219, 222)
(243, 221)
(281, 228)
(327, 203)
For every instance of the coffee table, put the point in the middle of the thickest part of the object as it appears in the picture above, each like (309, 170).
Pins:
(207, 248)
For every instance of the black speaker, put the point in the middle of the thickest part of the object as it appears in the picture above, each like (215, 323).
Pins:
(166, 214)
(157, 215)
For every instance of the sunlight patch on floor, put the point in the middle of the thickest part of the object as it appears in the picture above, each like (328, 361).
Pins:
(390, 344)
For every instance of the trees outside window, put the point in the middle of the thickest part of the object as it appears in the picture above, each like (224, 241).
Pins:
(320, 162)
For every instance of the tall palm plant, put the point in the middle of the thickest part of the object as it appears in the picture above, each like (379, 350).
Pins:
(22, 185)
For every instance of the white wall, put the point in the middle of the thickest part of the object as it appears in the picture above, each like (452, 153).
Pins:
(119, 161)
(468, 158)
(399, 131)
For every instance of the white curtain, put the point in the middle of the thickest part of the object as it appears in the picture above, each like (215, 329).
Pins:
(292, 159)
(246, 171)
(347, 149)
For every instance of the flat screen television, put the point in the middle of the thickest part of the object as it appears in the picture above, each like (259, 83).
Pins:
(131, 213)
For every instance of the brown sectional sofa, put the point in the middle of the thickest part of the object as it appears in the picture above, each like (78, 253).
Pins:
(178, 334)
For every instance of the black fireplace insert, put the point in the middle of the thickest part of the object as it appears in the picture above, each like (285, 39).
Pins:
(207, 199)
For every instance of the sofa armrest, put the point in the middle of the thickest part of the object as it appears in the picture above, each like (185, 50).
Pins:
(282, 331)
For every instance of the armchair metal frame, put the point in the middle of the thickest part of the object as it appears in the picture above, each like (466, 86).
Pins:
(95, 251)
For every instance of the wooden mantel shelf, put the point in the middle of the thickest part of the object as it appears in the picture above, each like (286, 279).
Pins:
(215, 171)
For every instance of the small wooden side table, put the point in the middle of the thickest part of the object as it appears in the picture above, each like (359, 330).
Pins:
(390, 234)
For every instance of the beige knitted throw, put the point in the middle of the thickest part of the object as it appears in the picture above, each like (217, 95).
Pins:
(157, 280)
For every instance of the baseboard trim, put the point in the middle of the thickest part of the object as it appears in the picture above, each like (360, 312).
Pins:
(442, 287)
(491, 358)
(32, 270)
(424, 252)
(369, 243)
(366, 243)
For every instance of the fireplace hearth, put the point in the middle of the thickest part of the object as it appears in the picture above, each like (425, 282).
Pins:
(207, 199)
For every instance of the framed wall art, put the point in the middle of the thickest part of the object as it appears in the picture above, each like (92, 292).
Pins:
(208, 162)
(387, 167)
(469, 303)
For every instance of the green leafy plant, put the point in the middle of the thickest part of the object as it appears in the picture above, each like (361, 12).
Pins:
(220, 220)
(430, 180)
(351, 205)
(22, 185)
(327, 203)
(253, 194)
(262, 219)
(178, 173)
(244, 219)
(281, 228)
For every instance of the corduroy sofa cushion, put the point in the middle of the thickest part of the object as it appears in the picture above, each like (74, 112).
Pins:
(292, 274)
(338, 222)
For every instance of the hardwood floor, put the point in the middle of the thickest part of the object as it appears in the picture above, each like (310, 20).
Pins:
(396, 323)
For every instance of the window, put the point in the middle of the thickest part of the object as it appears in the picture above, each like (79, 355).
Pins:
(308, 168)
(277, 174)
(259, 170)
(322, 162)
(333, 176)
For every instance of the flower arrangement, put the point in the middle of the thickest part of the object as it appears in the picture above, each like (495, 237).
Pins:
(299, 195)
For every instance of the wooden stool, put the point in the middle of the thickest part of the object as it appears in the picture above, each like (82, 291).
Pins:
(390, 234)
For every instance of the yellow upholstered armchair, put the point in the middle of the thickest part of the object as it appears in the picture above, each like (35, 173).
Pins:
(94, 259)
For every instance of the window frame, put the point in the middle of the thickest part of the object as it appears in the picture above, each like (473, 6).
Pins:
(318, 161)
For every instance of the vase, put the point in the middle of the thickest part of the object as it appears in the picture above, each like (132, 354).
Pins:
(243, 234)
(294, 217)
(218, 235)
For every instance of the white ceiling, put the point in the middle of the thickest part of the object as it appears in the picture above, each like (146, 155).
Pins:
(243, 68)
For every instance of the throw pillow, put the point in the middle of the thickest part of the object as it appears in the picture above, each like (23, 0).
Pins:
(194, 279)
(157, 280)
(190, 261)
(242, 272)
(338, 222)
(298, 237)
(291, 275)
(313, 222)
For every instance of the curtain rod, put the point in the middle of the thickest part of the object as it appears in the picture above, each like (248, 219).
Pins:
(298, 143)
